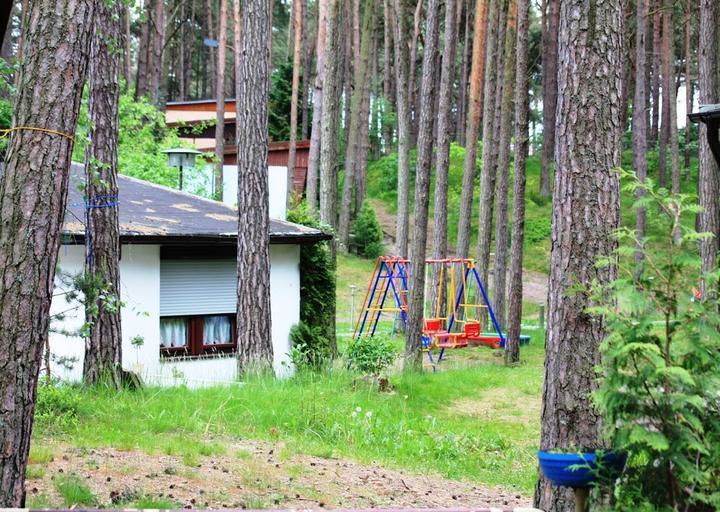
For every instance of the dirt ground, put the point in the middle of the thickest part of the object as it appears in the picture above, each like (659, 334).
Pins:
(255, 475)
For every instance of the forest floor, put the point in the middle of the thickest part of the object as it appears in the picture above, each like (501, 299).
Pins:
(253, 474)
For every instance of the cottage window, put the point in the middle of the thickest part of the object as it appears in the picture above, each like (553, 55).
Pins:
(197, 335)
(198, 298)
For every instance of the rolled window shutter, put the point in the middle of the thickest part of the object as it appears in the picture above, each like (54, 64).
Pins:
(197, 287)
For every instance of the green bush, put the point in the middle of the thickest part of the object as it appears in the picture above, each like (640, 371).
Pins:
(537, 230)
(661, 365)
(58, 406)
(317, 281)
(310, 348)
(368, 233)
(371, 355)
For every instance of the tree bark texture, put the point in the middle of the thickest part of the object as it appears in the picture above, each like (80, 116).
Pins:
(103, 347)
(307, 58)
(311, 192)
(360, 75)
(220, 100)
(585, 214)
(503, 184)
(522, 106)
(639, 119)
(491, 136)
(363, 147)
(670, 87)
(413, 353)
(666, 81)
(33, 193)
(475, 109)
(656, 50)
(155, 67)
(209, 57)
(329, 150)
(388, 68)
(144, 52)
(709, 181)
(688, 80)
(127, 51)
(551, 22)
(255, 349)
(464, 70)
(402, 69)
(444, 131)
(298, 14)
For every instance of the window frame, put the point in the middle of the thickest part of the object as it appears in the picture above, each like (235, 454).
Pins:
(195, 346)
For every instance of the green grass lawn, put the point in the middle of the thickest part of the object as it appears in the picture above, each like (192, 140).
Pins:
(479, 421)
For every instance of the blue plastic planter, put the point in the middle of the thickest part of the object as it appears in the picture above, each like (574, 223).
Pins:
(558, 467)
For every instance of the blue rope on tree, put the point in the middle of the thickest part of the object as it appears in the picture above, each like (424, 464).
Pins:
(92, 203)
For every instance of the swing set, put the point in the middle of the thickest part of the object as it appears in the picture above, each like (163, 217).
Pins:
(456, 304)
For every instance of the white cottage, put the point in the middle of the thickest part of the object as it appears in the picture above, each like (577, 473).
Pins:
(178, 285)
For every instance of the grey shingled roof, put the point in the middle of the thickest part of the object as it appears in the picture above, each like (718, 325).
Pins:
(151, 213)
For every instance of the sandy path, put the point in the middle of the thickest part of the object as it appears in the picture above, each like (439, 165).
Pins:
(257, 475)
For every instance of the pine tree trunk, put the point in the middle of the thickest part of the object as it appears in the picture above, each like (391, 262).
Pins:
(585, 214)
(209, 57)
(522, 104)
(402, 61)
(255, 349)
(361, 72)
(144, 50)
(413, 82)
(413, 353)
(331, 117)
(220, 100)
(461, 119)
(639, 119)
(672, 129)
(709, 90)
(475, 109)
(688, 82)
(155, 67)
(103, 347)
(388, 68)
(444, 121)
(298, 14)
(127, 51)
(507, 113)
(491, 133)
(306, 68)
(656, 50)
(363, 147)
(33, 194)
(551, 23)
(666, 84)
(311, 192)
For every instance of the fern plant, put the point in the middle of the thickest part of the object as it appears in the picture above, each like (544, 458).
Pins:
(660, 373)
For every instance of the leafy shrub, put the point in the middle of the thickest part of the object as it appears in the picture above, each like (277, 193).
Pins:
(661, 361)
(368, 233)
(57, 406)
(317, 282)
(310, 348)
(371, 356)
(537, 230)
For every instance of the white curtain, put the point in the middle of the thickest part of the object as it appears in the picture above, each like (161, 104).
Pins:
(173, 332)
(217, 330)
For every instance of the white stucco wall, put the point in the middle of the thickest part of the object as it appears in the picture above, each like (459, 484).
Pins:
(277, 186)
(140, 291)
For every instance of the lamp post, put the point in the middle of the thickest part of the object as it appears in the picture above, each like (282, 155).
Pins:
(181, 158)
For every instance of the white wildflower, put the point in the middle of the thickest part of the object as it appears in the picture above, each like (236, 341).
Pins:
(368, 414)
